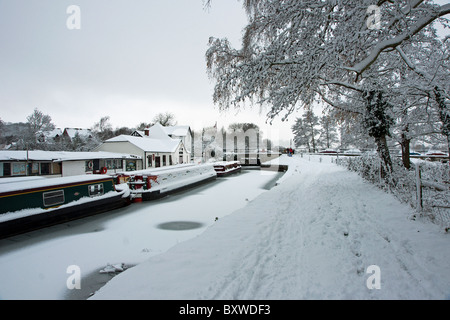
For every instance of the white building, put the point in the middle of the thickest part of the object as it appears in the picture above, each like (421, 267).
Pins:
(154, 146)
(184, 133)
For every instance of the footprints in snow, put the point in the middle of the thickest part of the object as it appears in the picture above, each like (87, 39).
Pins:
(338, 225)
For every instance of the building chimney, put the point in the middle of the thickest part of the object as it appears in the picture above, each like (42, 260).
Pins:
(147, 131)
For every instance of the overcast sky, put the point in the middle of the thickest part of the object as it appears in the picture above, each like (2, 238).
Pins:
(130, 60)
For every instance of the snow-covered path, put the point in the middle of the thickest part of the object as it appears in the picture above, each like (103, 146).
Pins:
(312, 237)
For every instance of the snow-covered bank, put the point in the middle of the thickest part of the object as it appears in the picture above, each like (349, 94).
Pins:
(314, 236)
(34, 265)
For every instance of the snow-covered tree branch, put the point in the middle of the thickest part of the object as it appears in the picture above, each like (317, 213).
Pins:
(295, 53)
(394, 42)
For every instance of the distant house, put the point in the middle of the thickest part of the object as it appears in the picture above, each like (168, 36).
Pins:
(153, 145)
(70, 133)
(49, 136)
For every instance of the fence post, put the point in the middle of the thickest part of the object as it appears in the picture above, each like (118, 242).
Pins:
(419, 186)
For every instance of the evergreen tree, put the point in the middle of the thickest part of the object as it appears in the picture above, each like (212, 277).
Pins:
(306, 130)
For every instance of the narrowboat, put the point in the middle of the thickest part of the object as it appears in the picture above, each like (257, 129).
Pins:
(225, 168)
(29, 204)
(156, 183)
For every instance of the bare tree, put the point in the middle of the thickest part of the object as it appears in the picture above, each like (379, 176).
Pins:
(103, 129)
(165, 119)
(38, 121)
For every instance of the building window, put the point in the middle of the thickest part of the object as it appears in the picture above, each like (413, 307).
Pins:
(56, 168)
(45, 168)
(19, 169)
(34, 168)
(53, 198)
(131, 165)
(170, 160)
(109, 164)
(7, 169)
(164, 160)
(89, 165)
(180, 156)
(149, 161)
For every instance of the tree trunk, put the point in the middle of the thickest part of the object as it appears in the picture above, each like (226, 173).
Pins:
(378, 122)
(444, 115)
(383, 152)
(406, 158)
(313, 144)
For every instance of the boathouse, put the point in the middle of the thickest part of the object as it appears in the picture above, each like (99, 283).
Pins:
(16, 163)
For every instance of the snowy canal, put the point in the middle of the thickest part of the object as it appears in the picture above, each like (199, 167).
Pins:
(45, 264)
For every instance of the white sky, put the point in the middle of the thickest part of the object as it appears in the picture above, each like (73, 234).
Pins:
(131, 60)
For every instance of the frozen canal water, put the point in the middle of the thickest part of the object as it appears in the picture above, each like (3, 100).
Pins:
(44, 263)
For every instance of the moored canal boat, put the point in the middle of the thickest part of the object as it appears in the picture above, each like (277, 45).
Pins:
(156, 183)
(225, 168)
(29, 204)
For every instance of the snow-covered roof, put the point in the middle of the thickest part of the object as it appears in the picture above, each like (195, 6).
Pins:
(58, 156)
(163, 144)
(71, 132)
(157, 140)
(179, 131)
(52, 133)
(157, 131)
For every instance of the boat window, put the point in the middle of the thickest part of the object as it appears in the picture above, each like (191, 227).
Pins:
(53, 198)
(95, 189)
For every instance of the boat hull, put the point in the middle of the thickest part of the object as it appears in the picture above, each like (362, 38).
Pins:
(61, 215)
(158, 194)
(27, 205)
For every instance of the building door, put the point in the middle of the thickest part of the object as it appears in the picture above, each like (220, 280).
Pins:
(157, 162)
(96, 165)
(180, 156)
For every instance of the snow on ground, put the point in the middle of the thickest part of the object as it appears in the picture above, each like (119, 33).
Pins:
(314, 236)
(34, 265)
